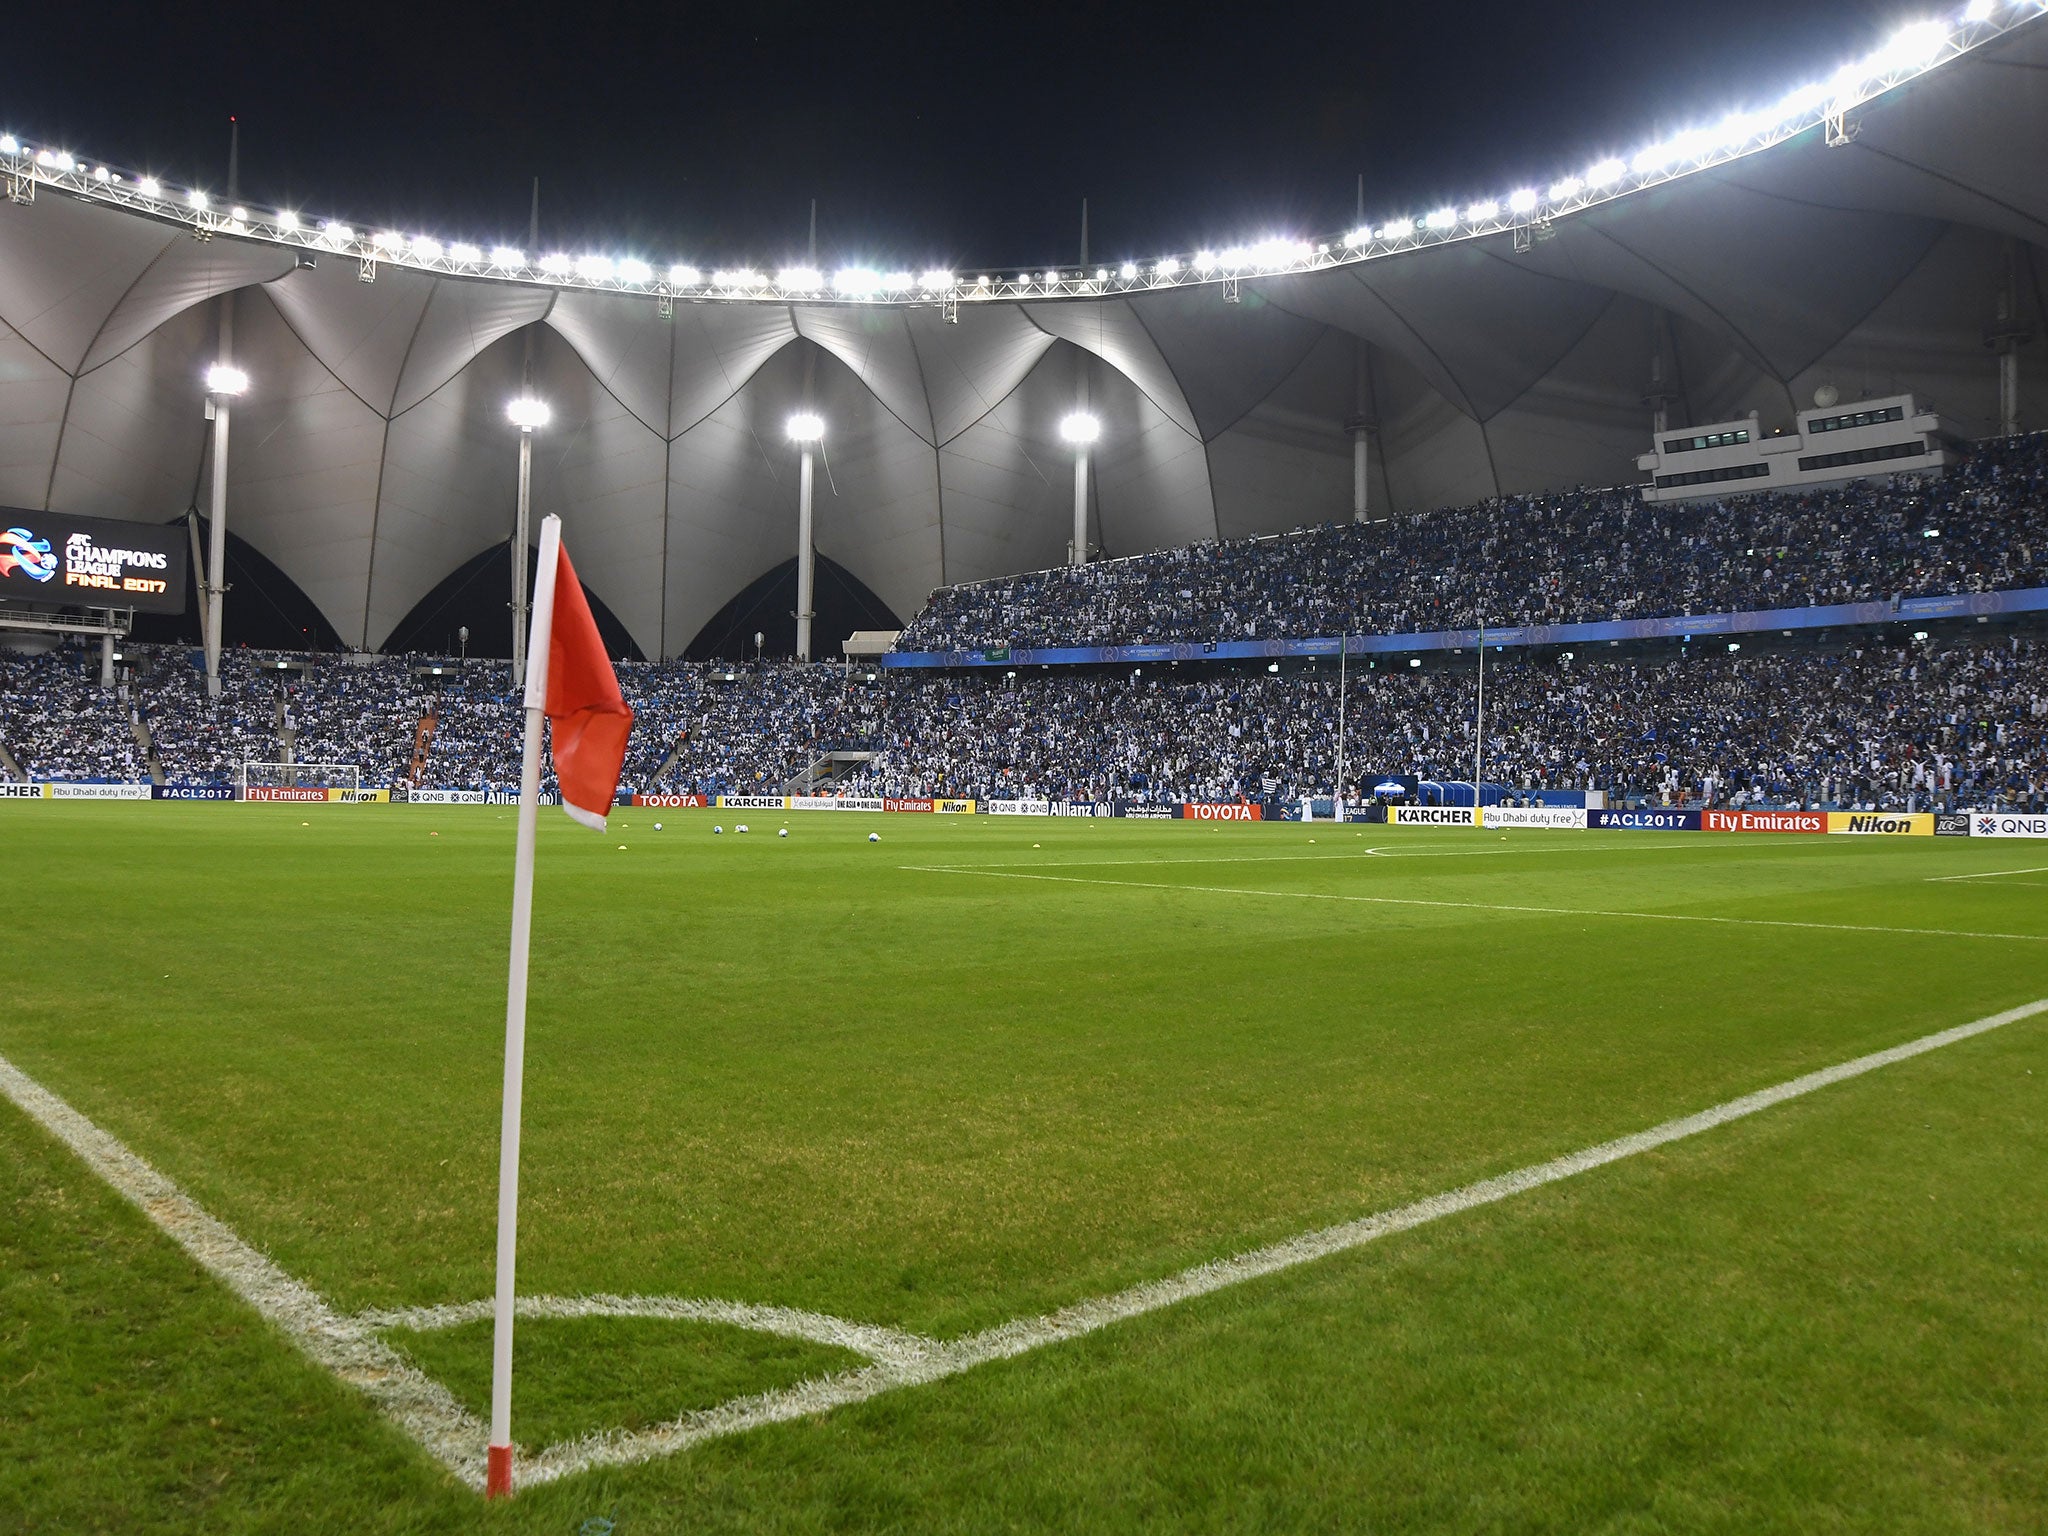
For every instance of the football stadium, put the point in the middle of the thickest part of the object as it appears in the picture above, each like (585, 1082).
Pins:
(1386, 878)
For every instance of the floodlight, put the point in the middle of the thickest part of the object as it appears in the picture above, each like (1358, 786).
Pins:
(1398, 229)
(800, 278)
(634, 270)
(1571, 186)
(1607, 172)
(55, 160)
(899, 282)
(1481, 211)
(239, 214)
(1204, 260)
(936, 280)
(1278, 251)
(507, 256)
(528, 414)
(464, 252)
(556, 264)
(9, 144)
(683, 275)
(149, 186)
(426, 247)
(222, 379)
(286, 219)
(1918, 634)
(595, 269)
(1080, 428)
(736, 277)
(1414, 661)
(856, 282)
(1443, 218)
(1051, 278)
(806, 427)
(1522, 201)
(102, 175)
(1914, 47)
(388, 239)
(338, 234)
(1168, 265)
(1102, 274)
(1359, 238)
(1127, 271)
(1979, 10)
(196, 198)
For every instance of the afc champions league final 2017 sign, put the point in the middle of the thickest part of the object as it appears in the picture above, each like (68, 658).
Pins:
(53, 560)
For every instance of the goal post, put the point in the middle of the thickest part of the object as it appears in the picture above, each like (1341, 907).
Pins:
(299, 775)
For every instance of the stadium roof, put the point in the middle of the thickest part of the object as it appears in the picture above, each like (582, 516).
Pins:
(1860, 235)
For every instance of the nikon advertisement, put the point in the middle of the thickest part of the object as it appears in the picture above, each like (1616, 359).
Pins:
(54, 561)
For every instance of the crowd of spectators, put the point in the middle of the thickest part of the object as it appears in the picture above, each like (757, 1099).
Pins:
(1869, 724)
(1553, 559)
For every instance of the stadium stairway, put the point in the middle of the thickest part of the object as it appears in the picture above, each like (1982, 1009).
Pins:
(139, 728)
(422, 744)
(824, 771)
(10, 765)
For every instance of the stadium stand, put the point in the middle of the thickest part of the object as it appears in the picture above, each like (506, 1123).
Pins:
(1578, 555)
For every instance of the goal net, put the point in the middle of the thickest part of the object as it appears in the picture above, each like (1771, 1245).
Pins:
(299, 776)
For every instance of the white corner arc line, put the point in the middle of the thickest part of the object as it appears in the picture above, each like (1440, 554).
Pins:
(1474, 906)
(411, 1399)
(422, 1407)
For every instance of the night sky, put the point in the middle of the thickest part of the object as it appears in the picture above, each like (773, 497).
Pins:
(950, 136)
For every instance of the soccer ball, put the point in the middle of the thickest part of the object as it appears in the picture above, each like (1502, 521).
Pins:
(716, 830)
(657, 826)
(783, 833)
(741, 827)
(874, 837)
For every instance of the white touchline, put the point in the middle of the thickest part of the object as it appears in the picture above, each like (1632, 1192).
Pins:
(1335, 855)
(423, 1408)
(1473, 906)
(1991, 874)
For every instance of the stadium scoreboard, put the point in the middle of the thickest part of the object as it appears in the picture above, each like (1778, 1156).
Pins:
(53, 560)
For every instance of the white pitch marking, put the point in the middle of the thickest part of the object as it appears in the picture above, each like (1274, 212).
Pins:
(424, 1409)
(411, 1399)
(1025, 1334)
(1991, 874)
(1333, 856)
(1477, 906)
(872, 1340)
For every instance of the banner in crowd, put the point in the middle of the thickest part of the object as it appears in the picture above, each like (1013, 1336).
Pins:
(1017, 807)
(1767, 620)
(953, 807)
(2007, 824)
(1431, 816)
(1763, 821)
(1647, 820)
(1542, 817)
(1238, 810)
(192, 792)
(1882, 823)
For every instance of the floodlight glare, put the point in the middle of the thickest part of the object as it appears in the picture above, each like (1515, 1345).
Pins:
(684, 275)
(465, 253)
(1204, 260)
(856, 282)
(239, 214)
(196, 198)
(1607, 173)
(800, 279)
(221, 379)
(286, 219)
(1914, 47)
(936, 280)
(1571, 186)
(1080, 428)
(1359, 238)
(899, 282)
(528, 414)
(634, 270)
(556, 264)
(1523, 201)
(1979, 10)
(426, 247)
(1398, 229)
(9, 144)
(149, 186)
(1479, 212)
(595, 269)
(507, 256)
(1443, 218)
(1168, 265)
(1127, 271)
(805, 427)
(102, 175)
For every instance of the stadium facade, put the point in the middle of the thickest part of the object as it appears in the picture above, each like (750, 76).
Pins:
(1885, 237)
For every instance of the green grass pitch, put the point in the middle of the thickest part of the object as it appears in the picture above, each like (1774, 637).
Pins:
(897, 1084)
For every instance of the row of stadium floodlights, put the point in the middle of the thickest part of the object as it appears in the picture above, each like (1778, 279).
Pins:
(1911, 52)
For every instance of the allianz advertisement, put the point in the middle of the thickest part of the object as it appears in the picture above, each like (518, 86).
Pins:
(55, 561)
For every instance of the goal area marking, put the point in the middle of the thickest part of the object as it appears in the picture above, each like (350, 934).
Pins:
(354, 1350)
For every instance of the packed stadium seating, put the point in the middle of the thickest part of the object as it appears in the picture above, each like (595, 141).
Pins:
(1564, 558)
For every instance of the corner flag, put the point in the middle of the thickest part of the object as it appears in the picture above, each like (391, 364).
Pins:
(570, 682)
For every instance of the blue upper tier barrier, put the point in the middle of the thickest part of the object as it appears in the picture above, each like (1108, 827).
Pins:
(1834, 615)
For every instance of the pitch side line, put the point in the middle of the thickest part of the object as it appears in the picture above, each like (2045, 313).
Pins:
(1474, 906)
(1990, 874)
(424, 1409)
(1348, 854)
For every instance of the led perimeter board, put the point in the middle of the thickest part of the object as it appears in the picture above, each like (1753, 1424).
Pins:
(51, 560)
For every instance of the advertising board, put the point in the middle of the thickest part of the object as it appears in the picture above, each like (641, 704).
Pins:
(1195, 810)
(1136, 810)
(192, 792)
(445, 796)
(1556, 818)
(1952, 824)
(1017, 807)
(360, 796)
(892, 804)
(291, 793)
(830, 803)
(1882, 823)
(2007, 824)
(21, 792)
(98, 791)
(54, 561)
(1430, 816)
(1763, 821)
(753, 802)
(953, 807)
(1647, 820)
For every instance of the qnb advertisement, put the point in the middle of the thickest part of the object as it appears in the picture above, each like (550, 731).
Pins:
(2007, 824)
(53, 561)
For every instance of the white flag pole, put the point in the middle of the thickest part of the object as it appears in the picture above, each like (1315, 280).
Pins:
(498, 1478)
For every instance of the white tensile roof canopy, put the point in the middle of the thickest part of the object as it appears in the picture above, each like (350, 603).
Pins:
(371, 456)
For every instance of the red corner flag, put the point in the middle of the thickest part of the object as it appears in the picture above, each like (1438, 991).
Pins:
(588, 715)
